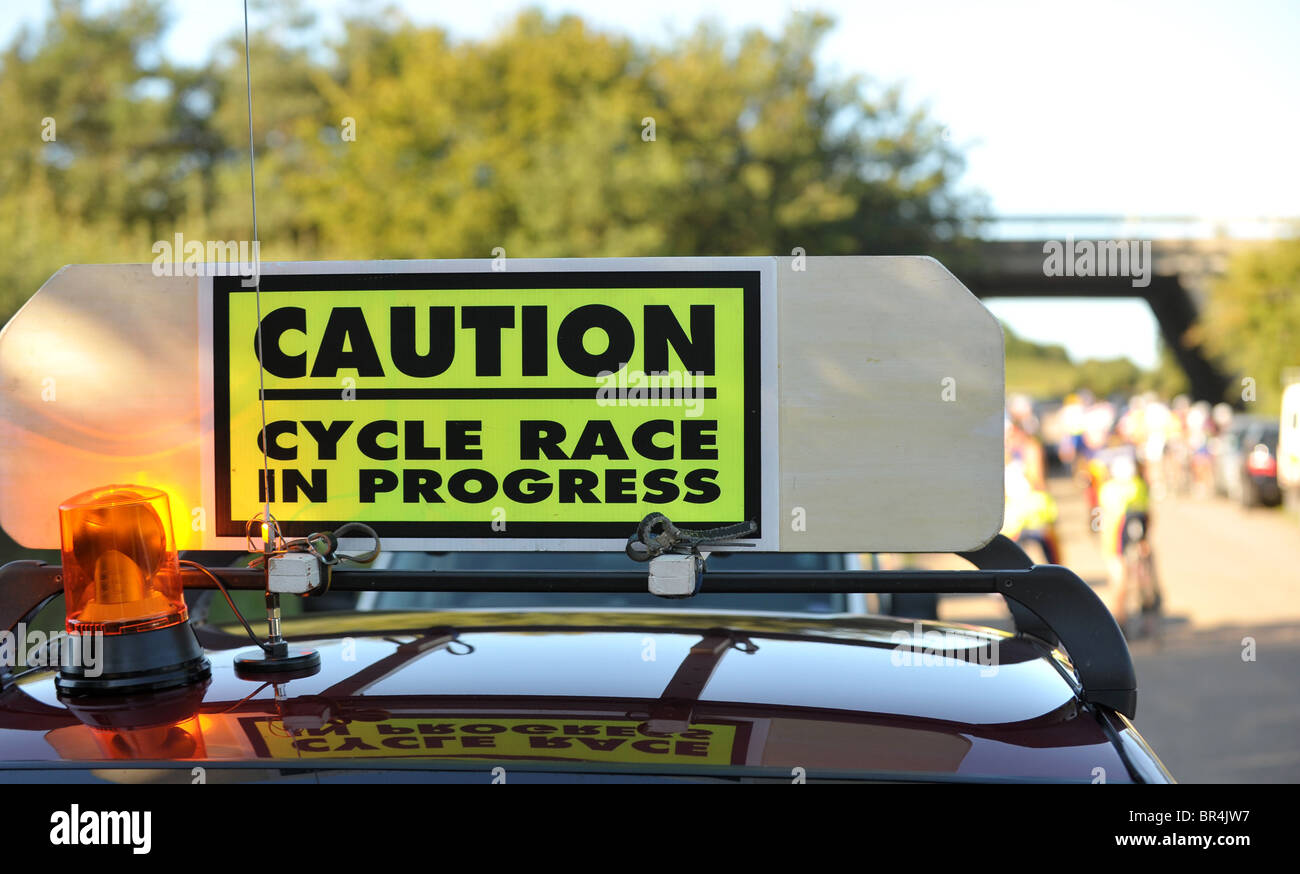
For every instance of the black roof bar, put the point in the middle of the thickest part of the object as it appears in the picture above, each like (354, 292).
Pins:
(1048, 602)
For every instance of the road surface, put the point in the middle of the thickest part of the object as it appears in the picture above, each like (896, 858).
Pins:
(1217, 696)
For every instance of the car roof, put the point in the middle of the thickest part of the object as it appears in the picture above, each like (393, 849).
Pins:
(853, 695)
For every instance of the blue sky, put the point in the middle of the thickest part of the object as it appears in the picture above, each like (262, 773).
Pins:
(1142, 108)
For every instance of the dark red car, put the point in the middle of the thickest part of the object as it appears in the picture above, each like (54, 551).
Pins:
(541, 693)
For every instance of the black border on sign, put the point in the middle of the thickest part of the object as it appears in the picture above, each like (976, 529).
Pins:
(748, 279)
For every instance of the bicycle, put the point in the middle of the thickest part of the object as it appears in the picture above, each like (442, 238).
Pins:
(1141, 590)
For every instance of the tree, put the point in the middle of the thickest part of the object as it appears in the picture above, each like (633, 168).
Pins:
(1252, 322)
(547, 139)
(89, 168)
(553, 140)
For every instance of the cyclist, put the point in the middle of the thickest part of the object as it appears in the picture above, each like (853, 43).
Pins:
(1030, 513)
(1126, 523)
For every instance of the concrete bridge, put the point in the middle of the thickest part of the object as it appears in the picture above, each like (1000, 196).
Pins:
(1180, 272)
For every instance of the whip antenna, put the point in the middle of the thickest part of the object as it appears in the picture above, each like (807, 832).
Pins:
(274, 656)
(267, 526)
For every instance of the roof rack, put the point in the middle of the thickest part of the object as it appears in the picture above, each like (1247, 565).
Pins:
(1048, 602)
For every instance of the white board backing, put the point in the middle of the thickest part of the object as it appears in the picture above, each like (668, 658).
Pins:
(888, 399)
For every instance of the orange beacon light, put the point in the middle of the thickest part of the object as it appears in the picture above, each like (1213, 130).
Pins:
(126, 614)
(119, 566)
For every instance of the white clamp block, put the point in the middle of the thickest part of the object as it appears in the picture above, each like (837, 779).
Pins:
(294, 574)
(674, 576)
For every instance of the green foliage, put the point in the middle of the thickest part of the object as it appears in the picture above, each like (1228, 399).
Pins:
(1020, 349)
(1168, 379)
(93, 191)
(536, 140)
(1252, 322)
(1047, 371)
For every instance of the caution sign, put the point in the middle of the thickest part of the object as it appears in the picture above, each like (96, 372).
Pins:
(556, 407)
(454, 407)
(587, 740)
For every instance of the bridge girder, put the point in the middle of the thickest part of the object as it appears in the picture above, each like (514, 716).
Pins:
(1180, 272)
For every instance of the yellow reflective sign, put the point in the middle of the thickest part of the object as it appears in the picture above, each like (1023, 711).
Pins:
(489, 405)
(587, 740)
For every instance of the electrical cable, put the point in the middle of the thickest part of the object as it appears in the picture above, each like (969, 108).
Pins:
(229, 601)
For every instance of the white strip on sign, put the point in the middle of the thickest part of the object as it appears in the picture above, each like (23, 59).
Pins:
(851, 405)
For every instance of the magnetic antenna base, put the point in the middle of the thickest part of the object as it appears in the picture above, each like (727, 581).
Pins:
(286, 664)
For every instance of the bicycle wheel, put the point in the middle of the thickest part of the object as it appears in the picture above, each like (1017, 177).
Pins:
(1151, 598)
(1129, 613)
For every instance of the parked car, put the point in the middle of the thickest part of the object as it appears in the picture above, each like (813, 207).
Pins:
(1229, 458)
(1259, 466)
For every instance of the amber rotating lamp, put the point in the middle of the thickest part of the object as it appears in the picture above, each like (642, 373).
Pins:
(126, 616)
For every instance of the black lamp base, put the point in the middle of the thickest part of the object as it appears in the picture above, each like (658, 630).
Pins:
(145, 661)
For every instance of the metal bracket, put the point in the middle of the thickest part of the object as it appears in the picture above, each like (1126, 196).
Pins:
(1004, 554)
(26, 585)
